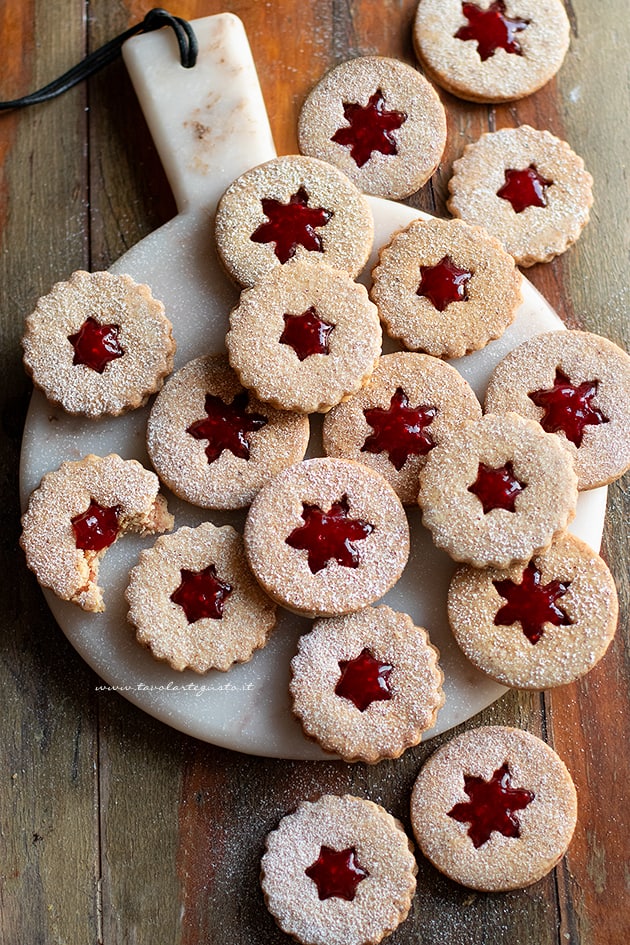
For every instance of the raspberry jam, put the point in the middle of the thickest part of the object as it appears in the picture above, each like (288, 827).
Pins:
(370, 129)
(336, 873)
(364, 680)
(96, 345)
(496, 488)
(568, 408)
(444, 283)
(226, 426)
(531, 603)
(329, 535)
(96, 528)
(307, 333)
(491, 29)
(291, 225)
(492, 806)
(201, 594)
(399, 430)
(524, 188)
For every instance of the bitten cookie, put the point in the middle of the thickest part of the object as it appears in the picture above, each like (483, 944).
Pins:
(379, 121)
(292, 207)
(305, 337)
(98, 344)
(537, 627)
(528, 188)
(338, 871)
(491, 50)
(445, 287)
(77, 512)
(194, 602)
(577, 385)
(494, 809)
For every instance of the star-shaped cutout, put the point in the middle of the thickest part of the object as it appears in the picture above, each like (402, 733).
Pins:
(491, 807)
(201, 594)
(496, 488)
(96, 528)
(226, 426)
(525, 188)
(444, 283)
(531, 603)
(291, 225)
(568, 408)
(370, 129)
(491, 29)
(329, 535)
(336, 873)
(307, 333)
(364, 680)
(95, 345)
(399, 430)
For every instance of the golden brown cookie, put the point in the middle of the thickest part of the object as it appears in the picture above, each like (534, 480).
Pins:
(338, 871)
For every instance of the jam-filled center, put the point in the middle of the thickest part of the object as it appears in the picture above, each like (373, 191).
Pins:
(525, 188)
(399, 430)
(444, 283)
(226, 426)
(329, 536)
(336, 873)
(568, 408)
(201, 594)
(364, 680)
(496, 488)
(491, 29)
(291, 224)
(370, 128)
(95, 345)
(307, 333)
(492, 806)
(531, 603)
(96, 528)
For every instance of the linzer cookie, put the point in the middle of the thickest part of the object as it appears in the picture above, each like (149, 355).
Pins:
(79, 511)
(366, 685)
(213, 443)
(577, 385)
(497, 491)
(540, 626)
(528, 188)
(494, 809)
(410, 403)
(292, 207)
(379, 121)
(491, 50)
(338, 871)
(98, 344)
(326, 537)
(305, 337)
(195, 603)
(445, 287)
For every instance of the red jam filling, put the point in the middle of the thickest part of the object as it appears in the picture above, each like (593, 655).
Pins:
(336, 873)
(568, 408)
(524, 188)
(399, 430)
(329, 535)
(531, 603)
(226, 426)
(96, 528)
(96, 345)
(444, 283)
(491, 29)
(496, 488)
(307, 333)
(492, 806)
(370, 129)
(291, 225)
(201, 594)
(364, 680)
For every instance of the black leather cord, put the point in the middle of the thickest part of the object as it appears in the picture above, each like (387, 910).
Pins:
(154, 20)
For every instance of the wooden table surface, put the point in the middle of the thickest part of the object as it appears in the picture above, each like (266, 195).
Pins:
(113, 827)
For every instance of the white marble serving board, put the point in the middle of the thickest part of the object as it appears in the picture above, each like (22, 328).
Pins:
(209, 125)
